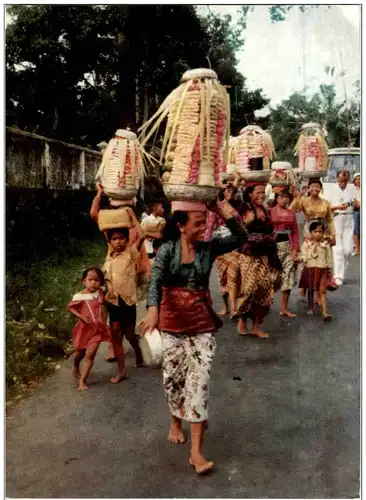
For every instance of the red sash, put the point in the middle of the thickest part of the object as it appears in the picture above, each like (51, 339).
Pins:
(183, 310)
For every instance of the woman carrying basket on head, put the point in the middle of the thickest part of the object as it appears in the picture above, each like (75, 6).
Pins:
(179, 304)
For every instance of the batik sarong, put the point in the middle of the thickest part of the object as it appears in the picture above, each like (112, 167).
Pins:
(289, 268)
(187, 363)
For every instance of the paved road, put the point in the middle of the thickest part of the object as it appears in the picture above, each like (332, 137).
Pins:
(288, 429)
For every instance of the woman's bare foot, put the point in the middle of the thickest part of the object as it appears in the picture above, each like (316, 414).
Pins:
(288, 314)
(257, 332)
(82, 386)
(223, 312)
(242, 327)
(201, 465)
(76, 372)
(119, 378)
(176, 434)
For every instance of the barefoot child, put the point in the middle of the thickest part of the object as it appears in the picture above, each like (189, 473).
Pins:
(143, 264)
(91, 329)
(120, 270)
(317, 258)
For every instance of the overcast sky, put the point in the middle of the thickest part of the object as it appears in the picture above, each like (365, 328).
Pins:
(281, 57)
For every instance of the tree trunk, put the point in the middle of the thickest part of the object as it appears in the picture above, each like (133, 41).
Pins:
(127, 84)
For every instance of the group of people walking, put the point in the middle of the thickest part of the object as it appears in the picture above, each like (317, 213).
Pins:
(256, 248)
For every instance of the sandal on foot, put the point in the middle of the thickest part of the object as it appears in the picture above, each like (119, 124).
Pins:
(202, 469)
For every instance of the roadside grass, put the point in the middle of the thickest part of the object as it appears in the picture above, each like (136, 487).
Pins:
(38, 326)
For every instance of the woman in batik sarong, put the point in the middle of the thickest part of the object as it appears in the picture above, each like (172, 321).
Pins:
(259, 265)
(288, 246)
(179, 304)
(227, 265)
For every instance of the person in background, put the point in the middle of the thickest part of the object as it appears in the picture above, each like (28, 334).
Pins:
(152, 221)
(317, 258)
(288, 246)
(357, 214)
(91, 329)
(143, 263)
(120, 269)
(314, 208)
(342, 199)
(227, 264)
(259, 265)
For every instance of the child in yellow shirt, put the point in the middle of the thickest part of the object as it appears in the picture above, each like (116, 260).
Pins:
(120, 269)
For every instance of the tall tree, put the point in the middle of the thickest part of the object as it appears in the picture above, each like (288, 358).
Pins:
(285, 120)
(79, 72)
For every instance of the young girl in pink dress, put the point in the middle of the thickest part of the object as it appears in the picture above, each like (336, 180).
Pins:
(91, 329)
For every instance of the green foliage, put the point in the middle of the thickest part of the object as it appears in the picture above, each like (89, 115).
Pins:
(79, 72)
(38, 326)
(341, 121)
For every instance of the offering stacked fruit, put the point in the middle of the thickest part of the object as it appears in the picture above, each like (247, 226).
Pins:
(312, 149)
(196, 137)
(252, 143)
(122, 164)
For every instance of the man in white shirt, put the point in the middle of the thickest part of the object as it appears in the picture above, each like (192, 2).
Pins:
(342, 197)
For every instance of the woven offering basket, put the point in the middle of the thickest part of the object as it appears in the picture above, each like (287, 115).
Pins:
(113, 219)
(314, 174)
(195, 143)
(189, 192)
(121, 167)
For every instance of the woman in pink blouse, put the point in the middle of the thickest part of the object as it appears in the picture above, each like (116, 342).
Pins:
(288, 246)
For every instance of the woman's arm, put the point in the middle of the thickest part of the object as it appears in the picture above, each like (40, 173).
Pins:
(94, 209)
(158, 273)
(211, 221)
(239, 235)
(294, 235)
(330, 221)
(297, 204)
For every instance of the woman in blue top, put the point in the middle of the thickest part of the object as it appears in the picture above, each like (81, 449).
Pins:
(179, 304)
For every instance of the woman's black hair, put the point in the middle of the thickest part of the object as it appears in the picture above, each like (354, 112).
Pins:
(315, 181)
(97, 270)
(171, 230)
(285, 192)
(314, 225)
(124, 231)
(247, 192)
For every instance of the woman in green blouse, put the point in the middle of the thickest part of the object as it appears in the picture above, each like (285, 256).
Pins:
(179, 304)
